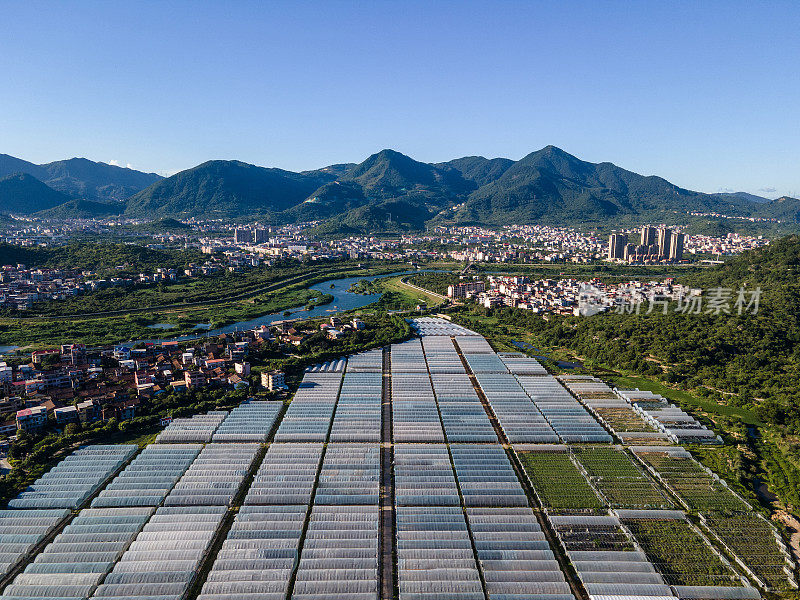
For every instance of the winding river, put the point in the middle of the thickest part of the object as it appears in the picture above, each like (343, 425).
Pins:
(343, 300)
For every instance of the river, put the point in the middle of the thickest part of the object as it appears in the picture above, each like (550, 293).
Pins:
(343, 300)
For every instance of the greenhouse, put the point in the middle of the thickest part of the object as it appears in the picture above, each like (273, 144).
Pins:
(475, 344)
(698, 488)
(251, 421)
(370, 361)
(309, 416)
(441, 355)
(77, 560)
(433, 326)
(258, 555)
(358, 412)
(148, 479)
(434, 554)
(287, 475)
(606, 559)
(521, 364)
(415, 415)
(350, 475)
(214, 477)
(162, 561)
(340, 554)
(619, 478)
(519, 418)
(332, 366)
(568, 418)
(76, 478)
(486, 477)
(22, 530)
(423, 476)
(514, 555)
(556, 480)
(678, 549)
(753, 539)
(199, 428)
(484, 363)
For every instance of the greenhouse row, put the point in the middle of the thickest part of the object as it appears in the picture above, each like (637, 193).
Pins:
(474, 344)
(286, 475)
(483, 363)
(148, 479)
(214, 477)
(198, 429)
(423, 475)
(519, 418)
(340, 554)
(408, 357)
(521, 364)
(613, 411)
(667, 418)
(77, 560)
(22, 530)
(441, 355)
(514, 555)
(331, 366)
(358, 411)
(463, 415)
(486, 477)
(434, 326)
(350, 474)
(76, 478)
(309, 415)
(415, 415)
(258, 555)
(251, 421)
(163, 560)
(607, 562)
(370, 361)
(434, 555)
(568, 418)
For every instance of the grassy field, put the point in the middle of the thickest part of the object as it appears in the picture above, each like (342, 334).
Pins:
(396, 284)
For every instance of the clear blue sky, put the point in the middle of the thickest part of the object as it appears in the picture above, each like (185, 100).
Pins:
(706, 94)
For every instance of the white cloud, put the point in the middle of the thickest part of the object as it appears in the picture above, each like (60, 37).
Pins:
(128, 166)
(114, 162)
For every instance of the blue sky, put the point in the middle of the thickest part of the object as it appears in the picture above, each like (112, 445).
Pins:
(706, 94)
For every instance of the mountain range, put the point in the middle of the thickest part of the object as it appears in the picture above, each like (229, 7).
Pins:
(388, 191)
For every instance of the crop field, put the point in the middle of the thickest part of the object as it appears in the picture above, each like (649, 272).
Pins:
(680, 553)
(622, 419)
(558, 482)
(693, 484)
(619, 479)
(753, 540)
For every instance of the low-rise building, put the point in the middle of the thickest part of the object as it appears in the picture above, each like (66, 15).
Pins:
(32, 419)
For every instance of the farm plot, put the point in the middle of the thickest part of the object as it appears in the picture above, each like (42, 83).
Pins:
(558, 482)
(754, 541)
(699, 489)
(679, 552)
(619, 479)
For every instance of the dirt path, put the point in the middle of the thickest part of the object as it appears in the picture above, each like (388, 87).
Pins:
(793, 526)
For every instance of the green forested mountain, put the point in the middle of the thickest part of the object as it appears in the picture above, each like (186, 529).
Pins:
(551, 185)
(479, 169)
(86, 179)
(224, 187)
(546, 186)
(24, 194)
(81, 178)
(82, 209)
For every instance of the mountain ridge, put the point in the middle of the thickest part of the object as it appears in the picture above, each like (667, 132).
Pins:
(392, 191)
